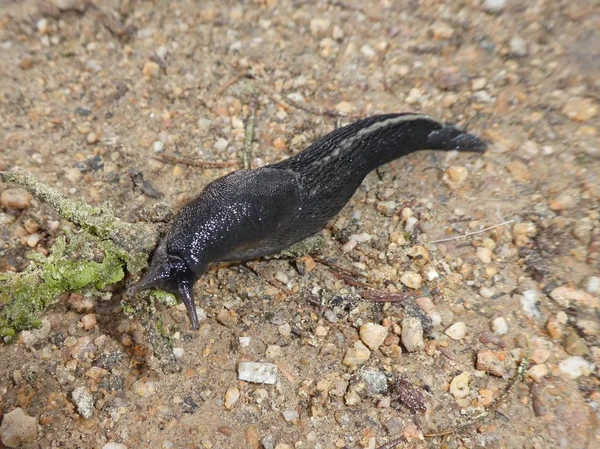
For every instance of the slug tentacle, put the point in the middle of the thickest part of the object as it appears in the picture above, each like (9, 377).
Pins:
(253, 213)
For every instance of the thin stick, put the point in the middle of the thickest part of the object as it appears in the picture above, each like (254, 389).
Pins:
(171, 159)
(469, 234)
(376, 296)
(229, 83)
(249, 134)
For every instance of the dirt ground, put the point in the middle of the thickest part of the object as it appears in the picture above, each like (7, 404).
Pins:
(90, 90)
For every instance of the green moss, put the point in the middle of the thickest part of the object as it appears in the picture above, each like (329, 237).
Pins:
(77, 261)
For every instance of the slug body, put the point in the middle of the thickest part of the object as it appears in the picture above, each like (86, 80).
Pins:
(252, 213)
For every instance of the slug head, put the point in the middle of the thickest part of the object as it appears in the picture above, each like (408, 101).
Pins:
(170, 273)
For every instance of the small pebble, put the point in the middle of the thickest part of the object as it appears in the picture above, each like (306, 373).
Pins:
(457, 331)
(260, 373)
(150, 70)
(529, 303)
(285, 330)
(491, 362)
(18, 428)
(373, 335)
(537, 372)
(580, 109)
(565, 296)
(16, 198)
(356, 355)
(33, 240)
(144, 387)
(178, 352)
(459, 386)
(518, 47)
(411, 279)
(522, 232)
(455, 176)
(484, 254)
(412, 334)
(89, 321)
(84, 400)
(575, 367)
(494, 6)
(291, 415)
(232, 395)
(499, 326)
(114, 446)
(319, 25)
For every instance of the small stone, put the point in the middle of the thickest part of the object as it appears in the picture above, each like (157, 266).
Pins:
(112, 445)
(357, 355)
(16, 198)
(368, 51)
(285, 330)
(518, 47)
(92, 138)
(33, 240)
(519, 171)
(442, 31)
(457, 331)
(89, 321)
(522, 232)
(387, 208)
(228, 318)
(345, 107)
(592, 285)
(574, 345)
(565, 296)
(459, 386)
(221, 144)
(412, 334)
(232, 395)
(151, 69)
(255, 372)
(562, 202)
(73, 175)
(33, 337)
(373, 335)
(537, 372)
(575, 367)
(291, 415)
(556, 324)
(84, 400)
(144, 387)
(273, 352)
(158, 146)
(499, 326)
(529, 303)
(319, 25)
(18, 428)
(491, 362)
(580, 109)
(494, 6)
(455, 177)
(411, 222)
(178, 352)
(321, 331)
(484, 254)
(26, 62)
(375, 381)
(411, 279)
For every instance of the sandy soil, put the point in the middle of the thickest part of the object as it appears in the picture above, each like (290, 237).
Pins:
(91, 90)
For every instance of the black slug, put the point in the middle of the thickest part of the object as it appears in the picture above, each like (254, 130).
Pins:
(252, 213)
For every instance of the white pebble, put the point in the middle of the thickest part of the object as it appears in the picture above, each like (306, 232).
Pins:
(158, 146)
(245, 341)
(412, 334)
(459, 386)
(593, 285)
(576, 366)
(373, 335)
(411, 222)
(232, 395)
(484, 254)
(499, 326)
(178, 352)
(221, 144)
(494, 6)
(260, 373)
(457, 331)
(529, 300)
(114, 446)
